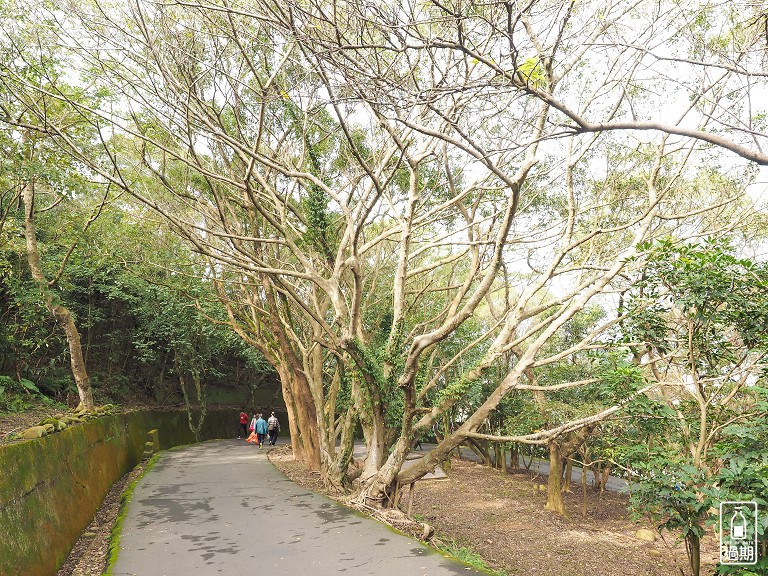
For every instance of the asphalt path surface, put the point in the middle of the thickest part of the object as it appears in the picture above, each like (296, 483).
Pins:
(613, 484)
(221, 508)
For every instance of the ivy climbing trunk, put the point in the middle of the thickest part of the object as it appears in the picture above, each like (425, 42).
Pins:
(60, 312)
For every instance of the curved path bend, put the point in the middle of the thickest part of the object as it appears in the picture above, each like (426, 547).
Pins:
(222, 508)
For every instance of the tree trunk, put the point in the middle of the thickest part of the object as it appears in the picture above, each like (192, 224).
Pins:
(302, 419)
(374, 428)
(561, 449)
(693, 548)
(514, 457)
(201, 401)
(555, 502)
(567, 475)
(59, 312)
(377, 488)
(293, 426)
(294, 379)
(480, 450)
(606, 475)
(335, 467)
(307, 420)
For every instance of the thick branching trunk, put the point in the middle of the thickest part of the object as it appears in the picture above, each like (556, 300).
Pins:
(560, 449)
(374, 432)
(302, 417)
(555, 502)
(377, 488)
(293, 427)
(61, 313)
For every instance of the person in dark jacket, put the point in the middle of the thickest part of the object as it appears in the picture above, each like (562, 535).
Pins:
(273, 427)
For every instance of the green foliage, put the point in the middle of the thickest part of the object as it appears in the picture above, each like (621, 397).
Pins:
(532, 72)
(673, 494)
(744, 477)
(703, 312)
(133, 316)
(716, 291)
(619, 379)
(18, 396)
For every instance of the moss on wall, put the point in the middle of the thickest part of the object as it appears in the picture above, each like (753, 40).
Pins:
(51, 487)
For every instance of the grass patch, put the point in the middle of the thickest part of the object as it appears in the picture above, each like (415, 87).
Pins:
(466, 555)
(125, 499)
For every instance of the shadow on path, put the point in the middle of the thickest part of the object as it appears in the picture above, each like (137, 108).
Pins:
(222, 508)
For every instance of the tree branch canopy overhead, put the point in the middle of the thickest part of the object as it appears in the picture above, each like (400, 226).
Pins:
(411, 209)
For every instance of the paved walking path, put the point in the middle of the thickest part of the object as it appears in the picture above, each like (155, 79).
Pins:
(222, 508)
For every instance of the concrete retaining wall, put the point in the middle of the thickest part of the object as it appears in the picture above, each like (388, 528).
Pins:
(50, 488)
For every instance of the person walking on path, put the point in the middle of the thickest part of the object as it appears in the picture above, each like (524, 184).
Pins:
(253, 438)
(273, 427)
(243, 424)
(260, 428)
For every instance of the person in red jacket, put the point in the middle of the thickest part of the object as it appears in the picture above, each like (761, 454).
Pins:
(243, 424)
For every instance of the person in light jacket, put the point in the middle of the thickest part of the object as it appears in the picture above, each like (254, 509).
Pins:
(261, 429)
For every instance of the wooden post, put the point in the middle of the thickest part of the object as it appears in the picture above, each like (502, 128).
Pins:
(396, 499)
(410, 499)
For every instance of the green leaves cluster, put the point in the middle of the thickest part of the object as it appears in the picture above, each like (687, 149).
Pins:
(717, 292)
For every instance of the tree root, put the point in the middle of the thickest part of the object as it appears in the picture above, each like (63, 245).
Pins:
(396, 519)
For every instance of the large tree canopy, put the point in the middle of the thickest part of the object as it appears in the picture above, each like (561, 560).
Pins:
(403, 203)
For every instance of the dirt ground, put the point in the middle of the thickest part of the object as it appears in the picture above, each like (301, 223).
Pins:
(501, 517)
(90, 554)
(11, 424)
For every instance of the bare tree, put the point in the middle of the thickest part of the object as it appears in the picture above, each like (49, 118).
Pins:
(369, 180)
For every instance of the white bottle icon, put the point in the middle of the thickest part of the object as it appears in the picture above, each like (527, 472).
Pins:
(738, 525)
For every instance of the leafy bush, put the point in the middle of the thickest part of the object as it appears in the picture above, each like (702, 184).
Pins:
(15, 396)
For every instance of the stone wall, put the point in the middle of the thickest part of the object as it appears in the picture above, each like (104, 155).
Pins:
(51, 487)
